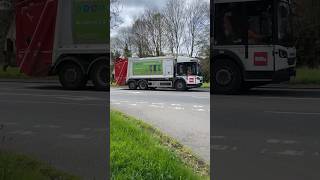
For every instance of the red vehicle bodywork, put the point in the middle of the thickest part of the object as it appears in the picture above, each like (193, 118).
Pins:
(35, 31)
(120, 71)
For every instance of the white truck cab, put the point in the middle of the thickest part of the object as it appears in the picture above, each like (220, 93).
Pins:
(252, 44)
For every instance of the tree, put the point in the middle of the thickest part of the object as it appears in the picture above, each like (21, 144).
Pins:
(126, 52)
(175, 23)
(140, 38)
(115, 18)
(197, 23)
(154, 23)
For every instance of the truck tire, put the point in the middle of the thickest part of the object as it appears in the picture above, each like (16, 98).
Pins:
(99, 76)
(132, 85)
(143, 84)
(180, 85)
(72, 77)
(227, 78)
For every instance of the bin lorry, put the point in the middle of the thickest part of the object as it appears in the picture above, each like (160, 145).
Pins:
(252, 44)
(68, 38)
(181, 73)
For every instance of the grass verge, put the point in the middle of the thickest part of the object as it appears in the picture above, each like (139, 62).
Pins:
(307, 76)
(139, 151)
(206, 85)
(12, 73)
(17, 167)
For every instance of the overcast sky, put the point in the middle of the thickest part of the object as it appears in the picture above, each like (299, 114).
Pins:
(130, 9)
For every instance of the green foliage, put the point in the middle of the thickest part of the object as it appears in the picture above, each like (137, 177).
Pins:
(307, 76)
(127, 52)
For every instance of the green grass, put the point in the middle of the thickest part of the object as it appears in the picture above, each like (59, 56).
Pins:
(18, 167)
(12, 73)
(307, 76)
(139, 151)
(206, 85)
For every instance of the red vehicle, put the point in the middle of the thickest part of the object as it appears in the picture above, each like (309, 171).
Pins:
(68, 38)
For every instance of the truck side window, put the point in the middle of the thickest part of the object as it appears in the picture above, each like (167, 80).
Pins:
(230, 24)
(150, 69)
(259, 23)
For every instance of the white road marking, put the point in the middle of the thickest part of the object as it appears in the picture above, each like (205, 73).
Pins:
(46, 126)
(200, 110)
(133, 104)
(178, 108)
(156, 106)
(157, 103)
(21, 132)
(291, 153)
(197, 106)
(293, 113)
(278, 141)
(142, 102)
(9, 123)
(175, 104)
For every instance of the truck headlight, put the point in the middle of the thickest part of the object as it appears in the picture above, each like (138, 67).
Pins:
(283, 54)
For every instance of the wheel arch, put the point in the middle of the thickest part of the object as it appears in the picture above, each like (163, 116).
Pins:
(66, 60)
(99, 59)
(231, 56)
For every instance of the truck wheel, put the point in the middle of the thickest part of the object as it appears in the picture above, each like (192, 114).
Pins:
(226, 77)
(180, 85)
(72, 77)
(99, 76)
(143, 85)
(132, 85)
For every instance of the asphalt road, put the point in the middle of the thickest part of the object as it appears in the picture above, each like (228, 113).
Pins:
(184, 116)
(267, 133)
(66, 129)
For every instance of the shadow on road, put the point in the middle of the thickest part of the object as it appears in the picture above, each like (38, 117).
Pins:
(168, 89)
(59, 87)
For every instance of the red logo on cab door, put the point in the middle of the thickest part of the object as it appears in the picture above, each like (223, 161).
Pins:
(260, 58)
(191, 79)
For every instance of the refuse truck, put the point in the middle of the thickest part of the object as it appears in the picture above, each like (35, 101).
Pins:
(181, 73)
(68, 38)
(252, 44)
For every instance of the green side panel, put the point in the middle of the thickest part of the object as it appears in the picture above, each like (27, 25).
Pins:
(91, 21)
(152, 67)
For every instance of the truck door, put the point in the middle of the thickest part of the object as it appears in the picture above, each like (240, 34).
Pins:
(168, 68)
(260, 39)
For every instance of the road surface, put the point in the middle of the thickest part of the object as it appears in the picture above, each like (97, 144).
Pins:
(184, 116)
(66, 129)
(268, 133)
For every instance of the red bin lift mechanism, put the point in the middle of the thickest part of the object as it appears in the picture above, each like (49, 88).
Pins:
(35, 22)
(68, 38)
(120, 71)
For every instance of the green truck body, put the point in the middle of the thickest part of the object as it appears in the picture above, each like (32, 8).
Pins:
(152, 67)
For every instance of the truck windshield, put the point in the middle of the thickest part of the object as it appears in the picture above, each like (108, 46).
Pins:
(284, 23)
(187, 68)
